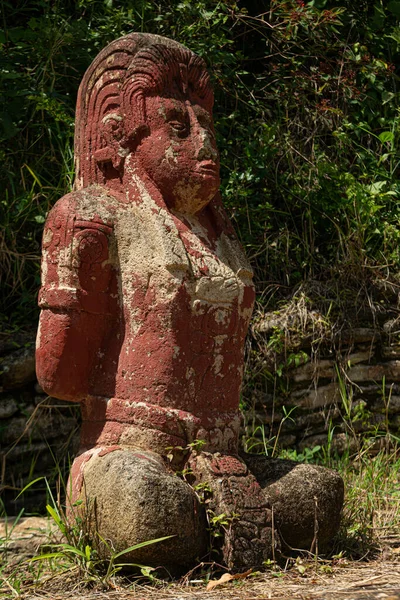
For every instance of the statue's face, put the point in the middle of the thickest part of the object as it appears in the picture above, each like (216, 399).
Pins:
(180, 153)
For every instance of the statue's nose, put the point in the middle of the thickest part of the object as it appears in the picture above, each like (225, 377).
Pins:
(205, 147)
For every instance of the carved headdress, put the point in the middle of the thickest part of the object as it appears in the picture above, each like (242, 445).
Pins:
(111, 108)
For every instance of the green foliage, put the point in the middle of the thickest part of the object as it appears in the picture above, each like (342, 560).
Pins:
(79, 551)
(307, 118)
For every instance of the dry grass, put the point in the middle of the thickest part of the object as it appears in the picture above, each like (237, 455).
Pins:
(365, 561)
(305, 579)
(358, 580)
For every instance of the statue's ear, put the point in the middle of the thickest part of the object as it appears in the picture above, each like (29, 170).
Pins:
(117, 143)
(114, 148)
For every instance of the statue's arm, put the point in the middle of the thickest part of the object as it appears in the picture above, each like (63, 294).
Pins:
(74, 299)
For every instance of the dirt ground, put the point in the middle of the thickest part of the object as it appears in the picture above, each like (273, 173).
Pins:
(378, 579)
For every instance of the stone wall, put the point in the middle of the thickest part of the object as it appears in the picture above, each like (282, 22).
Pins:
(309, 386)
(38, 434)
(301, 391)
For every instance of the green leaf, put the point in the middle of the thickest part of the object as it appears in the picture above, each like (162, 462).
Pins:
(394, 7)
(142, 545)
(395, 34)
(56, 518)
(376, 188)
(68, 549)
(88, 552)
(28, 486)
(386, 136)
(46, 556)
(387, 97)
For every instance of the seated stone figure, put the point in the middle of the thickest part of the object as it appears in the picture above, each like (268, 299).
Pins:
(146, 299)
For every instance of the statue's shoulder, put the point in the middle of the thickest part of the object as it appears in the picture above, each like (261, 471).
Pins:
(94, 203)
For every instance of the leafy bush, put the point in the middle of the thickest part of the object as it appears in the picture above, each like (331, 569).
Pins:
(307, 117)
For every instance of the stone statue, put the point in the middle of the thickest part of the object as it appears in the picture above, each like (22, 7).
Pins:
(145, 302)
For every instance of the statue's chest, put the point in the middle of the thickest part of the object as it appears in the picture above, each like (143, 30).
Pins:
(217, 292)
(182, 278)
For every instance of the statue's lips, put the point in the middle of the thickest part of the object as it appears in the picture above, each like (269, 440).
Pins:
(208, 167)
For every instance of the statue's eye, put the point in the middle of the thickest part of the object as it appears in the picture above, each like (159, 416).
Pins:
(178, 126)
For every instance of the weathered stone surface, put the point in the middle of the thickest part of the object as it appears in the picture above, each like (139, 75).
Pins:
(340, 442)
(395, 422)
(313, 371)
(145, 321)
(287, 441)
(314, 420)
(12, 341)
(132, 498)
(390, 351)
(23, 537)
(236, 493)
(359, 357)
(359, 335)
(8, 406)
(390, 370)
(45, 425)
(392, 327)
(39, 389)
(317, 397)
(306, 499)
(18, 368)
(146, 299)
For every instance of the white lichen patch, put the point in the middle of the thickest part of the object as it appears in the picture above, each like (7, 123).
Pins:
(190, 373)
(217, 364)
(170, 154)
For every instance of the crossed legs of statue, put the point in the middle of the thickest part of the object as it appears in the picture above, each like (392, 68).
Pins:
(269, 504)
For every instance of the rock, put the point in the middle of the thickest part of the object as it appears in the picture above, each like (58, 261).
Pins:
(8, 406)
(14, 430)
(14, 340)
(18, 369)
(359, 357)
(389, 370)
(235, 493)
(23, 537)
(359, 335)
(313, 371)
(23, 450)
(315, 398)
(267, 417)
(286, 441)
(136, 499)
(340, 442)
(44, 425)
(39, 389)
(307, 500)
(390, 351)
(392, 326)
(314, 420)
(395, 422)
(391, 403)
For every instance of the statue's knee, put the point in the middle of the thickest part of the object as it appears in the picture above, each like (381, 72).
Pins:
(131, 497)
(307, 500)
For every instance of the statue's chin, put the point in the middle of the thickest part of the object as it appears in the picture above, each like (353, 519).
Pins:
(190, 206)
(190, 197)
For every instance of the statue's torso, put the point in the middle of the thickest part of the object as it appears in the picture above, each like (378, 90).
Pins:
(176, 298)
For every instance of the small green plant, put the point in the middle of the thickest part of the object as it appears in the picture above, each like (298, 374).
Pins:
(308, 455)
(79, 550)
(178, 454)
(218, 528)
(267, 445)
(253, 443)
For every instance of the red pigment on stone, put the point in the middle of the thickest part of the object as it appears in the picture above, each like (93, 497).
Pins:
(146, 295)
